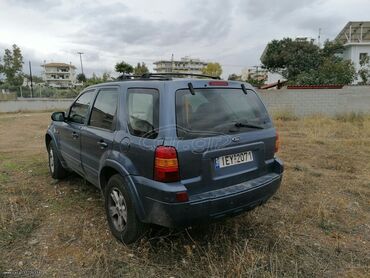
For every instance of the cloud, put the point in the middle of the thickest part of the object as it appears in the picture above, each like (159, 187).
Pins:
(232, 32)
(119, 31)
(275, 10)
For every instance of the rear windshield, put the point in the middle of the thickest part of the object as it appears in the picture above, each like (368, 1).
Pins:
(211, 112)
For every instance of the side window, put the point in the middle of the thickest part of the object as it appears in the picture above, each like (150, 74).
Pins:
(80, 109)
(143, 112)
(104, 109)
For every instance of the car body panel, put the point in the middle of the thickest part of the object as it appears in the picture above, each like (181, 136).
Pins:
(133, 158)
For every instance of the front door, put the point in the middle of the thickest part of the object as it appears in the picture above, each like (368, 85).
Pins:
(70, 131)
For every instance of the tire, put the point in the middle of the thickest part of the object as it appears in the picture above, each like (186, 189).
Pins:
(121, 214)
(57, 171)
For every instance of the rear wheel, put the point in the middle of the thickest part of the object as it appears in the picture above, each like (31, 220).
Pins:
(56, 169)
(120, 210)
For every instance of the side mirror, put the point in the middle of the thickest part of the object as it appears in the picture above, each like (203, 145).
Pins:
(58, 116)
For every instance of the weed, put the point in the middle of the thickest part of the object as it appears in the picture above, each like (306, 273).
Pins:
(315, 226)
(351, 117)
(285, 115)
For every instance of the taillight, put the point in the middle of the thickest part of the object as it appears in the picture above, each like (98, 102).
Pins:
(277, 143)
(166, 165)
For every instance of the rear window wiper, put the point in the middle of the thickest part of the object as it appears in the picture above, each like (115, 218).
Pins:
(239, 125)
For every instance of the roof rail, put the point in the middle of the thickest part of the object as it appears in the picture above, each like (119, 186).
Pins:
(174, 74)
(162, 76)
(129, 77)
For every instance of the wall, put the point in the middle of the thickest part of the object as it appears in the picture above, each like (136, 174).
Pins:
(329, 102)
(35, 104)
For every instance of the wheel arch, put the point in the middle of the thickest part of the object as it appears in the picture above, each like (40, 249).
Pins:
(48, 139)
(111, 168)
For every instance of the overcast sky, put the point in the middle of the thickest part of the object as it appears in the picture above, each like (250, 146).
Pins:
(232, 32)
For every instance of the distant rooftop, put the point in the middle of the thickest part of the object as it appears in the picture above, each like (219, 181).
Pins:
(185, 59)
(58, 65)
(355, 32)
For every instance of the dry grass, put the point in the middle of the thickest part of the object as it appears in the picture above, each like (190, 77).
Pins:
(317, 225)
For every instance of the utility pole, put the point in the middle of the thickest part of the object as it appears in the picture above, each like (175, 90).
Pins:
(82, 68)
(172, 62)
(257, 72)
(29, 63)
(319, 38)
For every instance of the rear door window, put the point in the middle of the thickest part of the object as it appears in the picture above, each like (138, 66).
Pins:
(143, 112)
(104, 109)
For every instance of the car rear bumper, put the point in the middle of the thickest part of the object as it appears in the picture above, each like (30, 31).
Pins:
(211, 205)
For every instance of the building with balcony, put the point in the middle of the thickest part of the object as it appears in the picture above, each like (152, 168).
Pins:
(356, 39)
(256, 73)
(59, 75)
(185, 64)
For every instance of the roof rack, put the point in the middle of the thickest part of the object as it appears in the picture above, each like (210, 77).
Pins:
(180, 74)
(162, 76)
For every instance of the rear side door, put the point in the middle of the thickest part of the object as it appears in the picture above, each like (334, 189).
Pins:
(98, 135)
(70, 130)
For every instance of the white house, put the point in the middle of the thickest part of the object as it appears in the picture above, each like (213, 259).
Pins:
(59, 75)
(356, 39)
(186, 64)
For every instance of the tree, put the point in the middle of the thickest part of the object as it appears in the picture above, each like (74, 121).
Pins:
(35, 78)
(330, 72)
(363, 72)
(234, 76)
(304, 63)
(1, 67)
(141, 69)
(97, 79)
(212, 69)
(81, 77)
(290, 57)
(256, 82)
(12, 67)
(105, 77)
(124, 68)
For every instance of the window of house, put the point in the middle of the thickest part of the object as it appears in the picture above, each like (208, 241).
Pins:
(105, 108)
(80, 109)
(363, 56)
(143, 116)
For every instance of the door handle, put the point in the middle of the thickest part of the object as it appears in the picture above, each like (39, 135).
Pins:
(102, 145)
(74, 135)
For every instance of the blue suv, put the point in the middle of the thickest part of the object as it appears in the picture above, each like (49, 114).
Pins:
(168, 150)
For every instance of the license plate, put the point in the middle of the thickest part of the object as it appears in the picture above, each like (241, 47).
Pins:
(233, 159)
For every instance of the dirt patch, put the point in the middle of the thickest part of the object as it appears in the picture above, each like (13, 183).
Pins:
(316, 225)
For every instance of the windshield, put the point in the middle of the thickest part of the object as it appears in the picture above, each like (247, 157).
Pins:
(213, 112)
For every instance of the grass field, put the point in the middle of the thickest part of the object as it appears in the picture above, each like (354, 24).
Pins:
(317, 225)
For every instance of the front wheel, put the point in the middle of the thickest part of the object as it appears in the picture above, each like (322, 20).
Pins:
(56, 169)
(122, 219)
